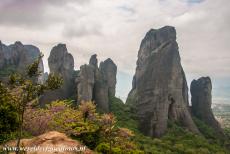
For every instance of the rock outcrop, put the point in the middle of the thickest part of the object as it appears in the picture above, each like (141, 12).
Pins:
(109, 71)
(16, 57)
(55, 141)
(93, 61)
(97, 84)
(60, 63)
(201, 92)
(89, 83)
(85, 83)
(159, 86)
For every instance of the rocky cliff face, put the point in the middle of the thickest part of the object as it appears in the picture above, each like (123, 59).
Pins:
(109, 71)
(16, 57)
(97, 84)
(90, 83)
(60, 63)
(159, 86)
(85, 83)
(201, 103)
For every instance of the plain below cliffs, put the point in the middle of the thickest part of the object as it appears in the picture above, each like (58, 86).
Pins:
(160, 91)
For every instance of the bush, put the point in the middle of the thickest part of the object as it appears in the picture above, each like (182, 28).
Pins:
(82, 123)
(103, 148)
(176, 140)
(8, 115)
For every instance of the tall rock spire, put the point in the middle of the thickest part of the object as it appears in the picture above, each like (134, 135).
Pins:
(97, 84)
(159, 85)
(60, 63)
(201, 91)
(109, 71)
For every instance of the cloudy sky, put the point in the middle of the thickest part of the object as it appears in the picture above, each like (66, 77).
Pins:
(115, 28)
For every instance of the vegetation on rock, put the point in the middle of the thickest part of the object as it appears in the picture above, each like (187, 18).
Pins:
(176, 140)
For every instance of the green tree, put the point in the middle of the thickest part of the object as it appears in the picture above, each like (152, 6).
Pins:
(8, 114)
(108, 129)
(25, 90)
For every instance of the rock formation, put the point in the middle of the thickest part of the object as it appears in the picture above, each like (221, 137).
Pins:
(85, 83)
(89, 83)
(53, 140)
(109, 71)
(101, 91)
(201, 91)
(159, 86)
(16, 57)
(60, 63)
(97, 84)
(93, 61)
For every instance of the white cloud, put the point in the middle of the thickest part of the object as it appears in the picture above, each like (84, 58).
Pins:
(115, 28)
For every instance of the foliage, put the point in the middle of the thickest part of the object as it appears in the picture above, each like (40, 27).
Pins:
(60, 116)
(105, 149)
(8, 115)
(53, 82)
(176, 140)
(36, 122)
(8, 112)
(24, 91)
(7, 70)
(115, 132)
(116, 136)
(82, 123)
(125, 115)
(207, 131)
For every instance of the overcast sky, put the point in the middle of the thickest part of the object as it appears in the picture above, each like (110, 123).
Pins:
(115, 28)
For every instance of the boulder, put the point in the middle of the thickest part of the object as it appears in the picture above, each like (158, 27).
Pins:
(159, 86)
(201, 92)
(55, 141)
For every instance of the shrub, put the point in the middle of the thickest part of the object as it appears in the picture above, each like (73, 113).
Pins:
(176, 140)
(8, 115)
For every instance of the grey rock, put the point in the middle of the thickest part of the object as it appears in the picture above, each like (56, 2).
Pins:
(101, 91)
(132, 96)
(109, 70)
(16, 58)
(201, 91)
(93, 60)
(85, 83)
(45, 76)
(159, 85)
(97, 84)
(105, 84)
(60, 63)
